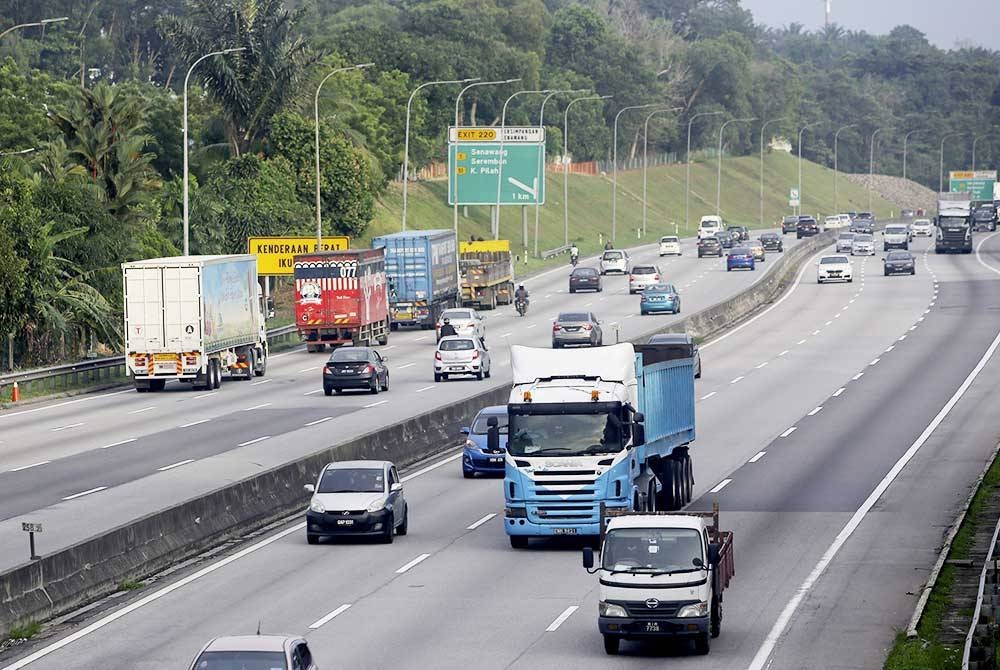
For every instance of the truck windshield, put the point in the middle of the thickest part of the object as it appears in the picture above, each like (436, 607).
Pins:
(565, 434)
(953, 221)
(652, 550)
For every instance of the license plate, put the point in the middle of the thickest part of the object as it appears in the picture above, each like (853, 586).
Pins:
(404, 315)
(496, 460)
(345, 522)
(564, 531)
(456, 367)
(652, 627)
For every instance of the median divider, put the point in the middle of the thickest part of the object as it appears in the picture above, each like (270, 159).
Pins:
(91, 569)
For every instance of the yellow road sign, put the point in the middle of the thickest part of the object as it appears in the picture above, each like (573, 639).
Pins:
(476, 134)
(274, 254)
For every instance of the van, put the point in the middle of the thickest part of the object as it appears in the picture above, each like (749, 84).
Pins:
(709, 226)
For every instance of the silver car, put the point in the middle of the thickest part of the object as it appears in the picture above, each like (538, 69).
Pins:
(615, 260)
(863, 245)
(641, 277)
(576, 328)
(460, 355)
(356, 498)
(275, 652)
(465, 320)
(845, 243)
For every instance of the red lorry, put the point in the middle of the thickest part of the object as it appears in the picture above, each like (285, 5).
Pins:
(341, 297)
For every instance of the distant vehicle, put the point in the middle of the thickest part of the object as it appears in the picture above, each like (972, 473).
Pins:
(985, 218)
(907, 213)
(360, 368)
(576, 328)
(487, 273)
(757, 249)
(895, 237)
(466, 321)
(356, 498)
(807, 227)
(863, 226)
(772, 242)
(660, 298)
(709, 246)
(269, 652)
(742, 232)
(832, 221)
(845, 220)
(740, 258)
(685, 343)
(899, 262)
(422, 270)
(853, 215)
(709, 226)
(670, 245)
(585, 279)
(726, 239)
(922, 228)
(845, 242)
(615, 260)
(863, 245)
(478, 456)
(835, 268)
(789, 224)
(867, 216)
(641, 277)
(954, 223)
(461, 355)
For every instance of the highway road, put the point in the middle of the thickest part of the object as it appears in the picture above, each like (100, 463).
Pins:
(85, 465)
(840, 430)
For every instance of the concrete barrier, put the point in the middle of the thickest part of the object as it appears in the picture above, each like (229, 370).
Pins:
(95, 567)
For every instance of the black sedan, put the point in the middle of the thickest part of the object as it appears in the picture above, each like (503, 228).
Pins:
(807, 227)
(771, 242)
(584, 279)
(360, 368)
(727, 239)
(789, 224)
(709, 246)
(899, 263)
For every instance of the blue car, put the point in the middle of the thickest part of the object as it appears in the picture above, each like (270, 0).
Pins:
(740, 258)
(476, 456)
(660, 298)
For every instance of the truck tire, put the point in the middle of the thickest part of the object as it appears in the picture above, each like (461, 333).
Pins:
(261, 368)
(383, 339)
(217, 380)
(715, 620)
(518, 541)
(612, 644)
(251, 365)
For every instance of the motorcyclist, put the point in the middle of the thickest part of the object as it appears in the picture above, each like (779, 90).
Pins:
(574, 254)
(608, 245)
(448, 329)
(521, 296)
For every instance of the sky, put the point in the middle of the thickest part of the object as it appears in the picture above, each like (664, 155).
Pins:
(944, 23)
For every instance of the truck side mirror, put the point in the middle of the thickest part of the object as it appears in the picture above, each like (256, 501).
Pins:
(588, 558)
(713, 554)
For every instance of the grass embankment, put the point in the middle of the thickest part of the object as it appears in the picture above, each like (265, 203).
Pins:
(590, 204)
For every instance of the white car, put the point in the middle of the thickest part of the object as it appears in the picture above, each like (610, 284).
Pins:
(895, 237)
(845, 242)
(670, 245)
(615, 260)
(863, 245)
(354, 498)
(922, 228)
(643, 276)
(710, 226)
(459, 355)
(834, 268)
(277, 652)
(466, 322)
(832, 222)
(845, 220)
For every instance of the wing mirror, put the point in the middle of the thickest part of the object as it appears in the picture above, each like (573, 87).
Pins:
(465, 430)
(310, 488)
(396, 488)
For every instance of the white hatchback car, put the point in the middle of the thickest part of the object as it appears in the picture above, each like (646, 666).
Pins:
(670, 245)
(615, 260)
(922, 228)
(641, 277)
(459, 355)
(834, 268)
(466, 322)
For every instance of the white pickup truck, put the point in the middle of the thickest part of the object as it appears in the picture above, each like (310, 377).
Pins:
(662, 574)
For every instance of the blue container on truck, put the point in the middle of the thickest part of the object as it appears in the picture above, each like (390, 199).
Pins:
(422, 270)
(610, 425)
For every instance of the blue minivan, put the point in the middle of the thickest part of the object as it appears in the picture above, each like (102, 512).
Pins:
(477, 458)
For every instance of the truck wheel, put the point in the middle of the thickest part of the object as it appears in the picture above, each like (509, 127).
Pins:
(702, 645)
(218, 375)
(383, 339)
(251, 364)
(261, 368)
(611, 645)
(715, 622)
(518, 541)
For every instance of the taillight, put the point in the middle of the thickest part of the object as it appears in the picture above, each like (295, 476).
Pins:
(437, 355)
(370, 369)
(656, 277)
(326, 370)
(631, 277)
(555, 327)
(475, 355)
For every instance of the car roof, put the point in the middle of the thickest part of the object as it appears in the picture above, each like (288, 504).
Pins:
(453, 338)
(643, 267)
(492, 409)
(670, 338)
(840, 256)
(250, 643)
(358, 465)
(584, 312)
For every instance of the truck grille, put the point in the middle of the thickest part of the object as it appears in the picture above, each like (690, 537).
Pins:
(663, 610)
(554, 483)
(564, 513)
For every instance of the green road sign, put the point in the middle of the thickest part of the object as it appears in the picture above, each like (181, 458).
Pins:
(473, 168)
(979, 183)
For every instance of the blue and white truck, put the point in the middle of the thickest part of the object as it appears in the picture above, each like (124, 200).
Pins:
(422, 270)
(608, 426)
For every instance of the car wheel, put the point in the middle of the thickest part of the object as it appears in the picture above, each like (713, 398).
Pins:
(437, 377)
(487, 373)
(312, 539)
(385, 387)
(728, 269)
(373, 385)
(611, 644)
(913, 271)
(327, 390)
(387, 534)
(518, 542)
(850, 280)
(479, 375)
(600, 289)
(468, 475)
(572, 290)
(885, 273)
(404, 527)
(600, 342)
(643, 312)
(444, 376)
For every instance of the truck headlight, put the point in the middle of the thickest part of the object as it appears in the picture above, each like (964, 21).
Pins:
(611, 610)
(377, 506)
(316, 506)
(695, 610)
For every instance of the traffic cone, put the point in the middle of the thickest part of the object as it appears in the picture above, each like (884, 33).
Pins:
(15, 393)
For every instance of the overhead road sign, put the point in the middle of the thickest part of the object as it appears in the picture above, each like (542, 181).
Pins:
(274, 254)
(473, 169)
(979, 183)
(509, 134)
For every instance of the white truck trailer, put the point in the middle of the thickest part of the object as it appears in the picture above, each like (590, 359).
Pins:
(193, 319)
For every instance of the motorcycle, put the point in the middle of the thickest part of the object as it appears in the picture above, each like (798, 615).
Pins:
(521, 305)
(574, 259)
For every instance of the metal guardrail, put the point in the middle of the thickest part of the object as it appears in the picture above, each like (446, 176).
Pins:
(111, 369)
(551, 253)
(980, 648)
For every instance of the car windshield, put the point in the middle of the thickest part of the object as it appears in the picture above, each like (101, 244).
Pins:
(584, 272)
(572, 316)
(740, 251)
(644, 270)
(652, 550)
(457, 314)
(895, 230)
(709, 240)
(670, 338)
(352, 480)
(863, 238)
(847, 236)
(241, 660)
(612, 255)
(660, 288)
(984, 214)
(864, 215)
(456, 345)
(480, 426)
(834, 260)
(349, 355)
(769, 236)
(668, 240)
(565, 434)
(899, 256)
(921, 222)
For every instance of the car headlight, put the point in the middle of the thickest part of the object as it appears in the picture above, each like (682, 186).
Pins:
(377, 506)
(695, 610)
(469, 444)
(611, 610)
(316, 506)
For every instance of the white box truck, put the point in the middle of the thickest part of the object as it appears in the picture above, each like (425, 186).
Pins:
(193, 319)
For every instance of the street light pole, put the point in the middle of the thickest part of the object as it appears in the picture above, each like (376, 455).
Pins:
(762, 128)
(718, 161)
(645, 162)
(871, 167)
(802, 130)
(43, 22)
(185, 139)
(566, 161)
(836, 166)
(941, 158)
(906, 140)
(541, 157)
(975, 141)
(458, 102)
(500, 162)
(614, 168)
(687, 157)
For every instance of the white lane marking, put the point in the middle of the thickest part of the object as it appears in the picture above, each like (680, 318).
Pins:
(250, 409)
(479, 523)
(318, 421)
(194, 423)
(262, 381)
(815, 411)
(706, 397)
(837, 315)
(426, 388)
(901, 338)
(144, 409)
(927, 311)
(25, 467)
(170, 588)
(762, 365)
(764, 652)
(72, 425)
(548, 295)
(415, 562)
(530, 326)
(567, 613)
(175, 465)
(253, 441)
(309, 369)
(63, 404)
(759, 455)
(329, 617)
(920, 319)
(802, 341)
(387, 348)
(313, 391)
(721, 485)
(783, 353)
(421, 338)
(913, 327)
(733, 381)
(376, 404)
(72, 497)
(857, 376)
(789, 431)
(816, 332)
(890, 348)
(118, 444)
(932, 303)
(204, 395)
(839, 391)
(829, 323)
(505, 335)
(875, 361)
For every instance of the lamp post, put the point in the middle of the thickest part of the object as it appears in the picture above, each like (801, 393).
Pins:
(906, 140)
(941, 158)
(458, 102)
(500, 161)
(319, 209)
(975, 141)
(645, 150)
(614, 168)
(718, 160)
(566, 161)
(541, 157)
(836, 168)
(687, 179)
(802, 130)
(762, 128)
(43, 22)
(871, 166)
(185, 138)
